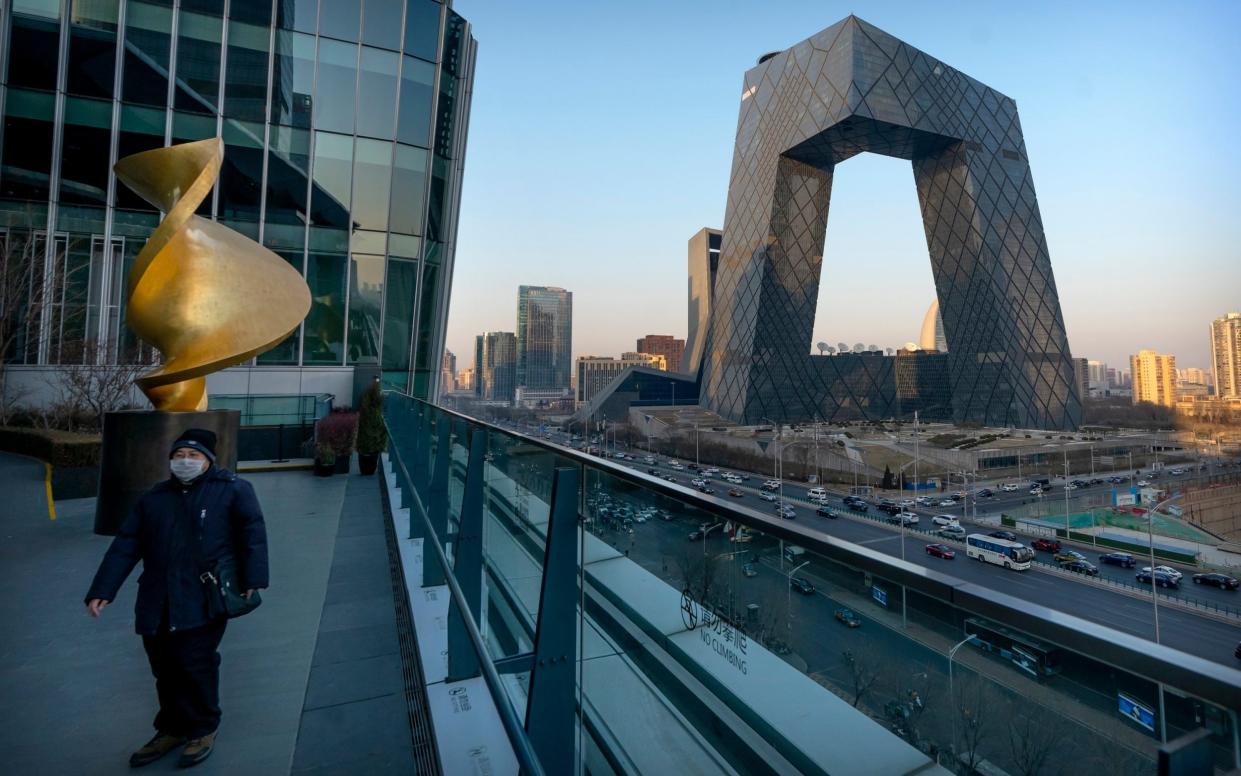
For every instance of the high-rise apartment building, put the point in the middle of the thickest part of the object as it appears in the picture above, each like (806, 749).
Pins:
(343, 127)
(465, 379)
(671, 348)
(1194, 375)
(495, 377)
(1097, 374)
(595, 372)
(544, 339)
(1154, 378)
(1081, 376)
(1113, 378)
(448, 372)
(1226, 355)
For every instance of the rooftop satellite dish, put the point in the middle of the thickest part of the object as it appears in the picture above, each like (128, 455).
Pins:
(872, 348)
(843, 347)
(831, 351)
(822, 346)
(891, 352)
(858, 347)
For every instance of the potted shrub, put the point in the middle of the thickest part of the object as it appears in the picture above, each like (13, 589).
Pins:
(325, 460)
(337, 430)
(372, 434)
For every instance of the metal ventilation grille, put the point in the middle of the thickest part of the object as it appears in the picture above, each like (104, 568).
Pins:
(422, 735)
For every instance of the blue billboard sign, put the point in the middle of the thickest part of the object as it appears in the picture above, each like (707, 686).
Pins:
(1135, 711)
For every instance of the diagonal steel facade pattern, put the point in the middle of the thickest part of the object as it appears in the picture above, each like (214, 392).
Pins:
(853, 88)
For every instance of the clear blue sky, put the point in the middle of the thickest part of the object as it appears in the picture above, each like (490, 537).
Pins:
(602, 135)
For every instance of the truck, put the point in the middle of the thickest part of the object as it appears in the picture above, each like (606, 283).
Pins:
(792, 553)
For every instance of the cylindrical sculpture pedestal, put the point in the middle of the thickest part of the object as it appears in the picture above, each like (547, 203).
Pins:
(135, 451)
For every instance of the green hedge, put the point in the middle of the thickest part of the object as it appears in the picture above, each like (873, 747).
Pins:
(1112, 544)
(59, 448)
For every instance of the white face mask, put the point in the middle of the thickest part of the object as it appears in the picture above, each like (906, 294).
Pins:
(186, 469)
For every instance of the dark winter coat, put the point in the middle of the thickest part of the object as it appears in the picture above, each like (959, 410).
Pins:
(220, 512)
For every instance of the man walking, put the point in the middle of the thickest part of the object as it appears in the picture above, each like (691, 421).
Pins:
(179, 529)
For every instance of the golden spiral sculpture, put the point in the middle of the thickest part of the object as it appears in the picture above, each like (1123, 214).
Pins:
(207, 297)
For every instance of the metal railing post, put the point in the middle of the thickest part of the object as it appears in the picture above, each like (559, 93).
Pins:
(437, 500)
(468, 562)
(551, 708)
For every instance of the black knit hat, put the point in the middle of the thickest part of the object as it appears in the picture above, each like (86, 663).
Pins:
(199, 439)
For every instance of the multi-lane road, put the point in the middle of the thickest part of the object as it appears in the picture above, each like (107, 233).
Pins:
(1126, 609)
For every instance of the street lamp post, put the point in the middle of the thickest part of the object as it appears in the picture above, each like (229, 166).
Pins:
(1150, 537)
(952, 698)
(788, 611)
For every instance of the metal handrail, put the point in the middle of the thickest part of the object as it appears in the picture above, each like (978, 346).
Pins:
(1205, 679)
(513, 726)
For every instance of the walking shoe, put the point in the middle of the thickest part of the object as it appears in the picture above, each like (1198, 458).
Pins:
(154, 749)
(197, 750)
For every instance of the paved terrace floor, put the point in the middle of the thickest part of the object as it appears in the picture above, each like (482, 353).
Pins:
(311, 683)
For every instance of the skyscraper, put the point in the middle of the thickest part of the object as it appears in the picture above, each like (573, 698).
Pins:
(671, 348)
(448, 372)
(497, 378)
(1226, 355)
(544, 339)
(704, 261)
(1081, 376)
(344, 139)
(1154, 378)
(1098, 374)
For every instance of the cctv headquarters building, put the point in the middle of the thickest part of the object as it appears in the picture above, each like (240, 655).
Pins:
(344, 128)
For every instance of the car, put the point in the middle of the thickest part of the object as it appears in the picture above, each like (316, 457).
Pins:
(767, 496)
(1070, 486)
(816, 494)
(925, 501)
(904, 518)
(1081, 567)
(698, 482)
(802, 586)
(986, 493)
(1036, 491)
(848, 617)
(1160, 578)
(770, 485)
(676, 465)
(891, 509)
(907, 503)
(652, 470)
(1222, 581)
(712, 471)
(1115, 480)
(1046, 545)
(952, 532)
(786, 511)
(1067, 556)
(1165, 570)
(693, 467)
(1096, 481)
(940, 551)
(942, 520)
(1010, 487)
(735, 493)
(706, 489)
(1007, 536)
(827, 512)
(695, 536)
(948, 503)
(1122, 559)
(1177, 472)
(1144, 483)
(749, 570)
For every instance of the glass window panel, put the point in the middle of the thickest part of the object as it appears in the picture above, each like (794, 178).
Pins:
(84, 151)
(213, 7)
(377, 93)
(187, 127)
(403, 245)
(399, 313)
(26, 164)
(382, 23)
(426, 315)
(300, 15)
(30, 41)
(366, 285)
(198, 62)
(409, 180)
(439, 191)
(340, 19)
(251, 11)
(362, 241)
(245, 80)
(241, 174)
(293, 79)
(285, 353)
(417, 90)
(148, 39)
(422, 28)
(47, 9)
(325, 323)
(335, 92)
(333, 179)
(372, 181)
(326, 240)
(92, 48)
(288, 164)
(141, 129)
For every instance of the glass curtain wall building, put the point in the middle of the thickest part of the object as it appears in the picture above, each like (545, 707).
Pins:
(344, 124)
(544, 338)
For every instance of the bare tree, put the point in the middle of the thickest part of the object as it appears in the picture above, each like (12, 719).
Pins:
(1032, 735)
(861, 676)
(22, 292)
(90, 383)
(974, 702)
(698, 572)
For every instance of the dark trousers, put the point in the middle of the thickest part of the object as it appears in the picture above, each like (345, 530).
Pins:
(186, 666)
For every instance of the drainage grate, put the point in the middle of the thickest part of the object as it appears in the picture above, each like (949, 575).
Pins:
(426, 756)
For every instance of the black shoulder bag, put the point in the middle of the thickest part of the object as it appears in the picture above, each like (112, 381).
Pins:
(222, 585)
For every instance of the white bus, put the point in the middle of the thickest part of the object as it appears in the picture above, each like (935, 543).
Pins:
(1001, 552)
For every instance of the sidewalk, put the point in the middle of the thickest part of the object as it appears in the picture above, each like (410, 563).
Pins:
(78, 695)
